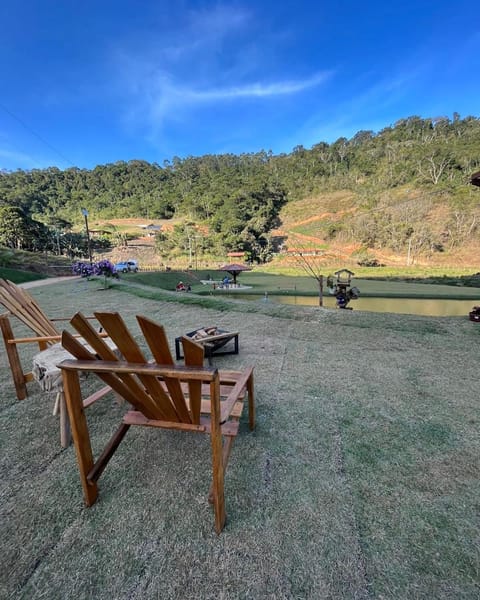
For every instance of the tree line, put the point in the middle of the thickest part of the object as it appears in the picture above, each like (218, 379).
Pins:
(237, 198)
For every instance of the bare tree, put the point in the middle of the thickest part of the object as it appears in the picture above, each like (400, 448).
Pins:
(305, 259)
(434, 166)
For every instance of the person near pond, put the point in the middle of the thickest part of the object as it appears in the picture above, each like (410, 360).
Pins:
(342, 299)
(181, 287)
(344, 296)
(226, 281)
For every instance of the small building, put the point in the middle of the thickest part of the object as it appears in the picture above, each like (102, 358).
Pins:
(236, 254)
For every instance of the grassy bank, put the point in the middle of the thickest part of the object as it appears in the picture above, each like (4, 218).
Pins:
(414, 272)
(352, 486)
(39, 263)
(19, 276)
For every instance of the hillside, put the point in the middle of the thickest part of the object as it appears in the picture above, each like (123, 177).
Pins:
(328, 223)
(401, 192)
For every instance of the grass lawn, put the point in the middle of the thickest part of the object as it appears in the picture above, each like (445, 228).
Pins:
(288, 284)
(360, 481)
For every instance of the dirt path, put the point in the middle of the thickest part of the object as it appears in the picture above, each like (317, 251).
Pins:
(48, 281)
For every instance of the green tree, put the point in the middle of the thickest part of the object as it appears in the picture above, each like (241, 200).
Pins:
(18, 230)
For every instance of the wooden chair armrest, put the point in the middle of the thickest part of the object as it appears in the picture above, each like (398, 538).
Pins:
(45, 338)
(236, 391)
(27, 340)
(230, 377)
(92, 317)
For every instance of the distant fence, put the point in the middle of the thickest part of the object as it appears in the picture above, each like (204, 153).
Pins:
(57, 270)
(144, 268)
(180, 268)
(151, 268)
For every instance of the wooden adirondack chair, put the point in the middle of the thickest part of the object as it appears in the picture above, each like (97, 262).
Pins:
(21, 305)
(186, 398)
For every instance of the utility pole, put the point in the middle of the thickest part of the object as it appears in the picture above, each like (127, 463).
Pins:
(85, 214)
(409, 250)
(195, 251)
(189, 251)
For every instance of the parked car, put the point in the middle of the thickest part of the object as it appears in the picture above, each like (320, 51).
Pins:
(127, 266)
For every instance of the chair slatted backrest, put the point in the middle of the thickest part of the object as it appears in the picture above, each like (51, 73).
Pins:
(20, 304)
(162, 394)
(144, 391)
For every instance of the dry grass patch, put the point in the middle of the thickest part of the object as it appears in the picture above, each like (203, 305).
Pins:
(360, 481)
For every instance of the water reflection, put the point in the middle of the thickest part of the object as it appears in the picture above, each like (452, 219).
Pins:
(409, 306)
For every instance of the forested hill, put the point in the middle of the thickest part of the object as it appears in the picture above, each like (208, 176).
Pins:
(396, 178)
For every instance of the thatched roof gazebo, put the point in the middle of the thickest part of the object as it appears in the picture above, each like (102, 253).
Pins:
(475, 179)
(234, 270)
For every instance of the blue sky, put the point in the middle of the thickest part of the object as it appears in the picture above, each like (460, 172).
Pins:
(93, 82)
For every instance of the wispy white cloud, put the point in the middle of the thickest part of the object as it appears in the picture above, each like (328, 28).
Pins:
(193, 37)
(211, 59)
(198, 32)
(258, 90)
(217, 22)
(161, 101)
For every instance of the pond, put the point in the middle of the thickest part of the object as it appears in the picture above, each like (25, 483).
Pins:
(412, 306)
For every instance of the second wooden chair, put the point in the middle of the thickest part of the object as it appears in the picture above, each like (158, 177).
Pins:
(190, 398)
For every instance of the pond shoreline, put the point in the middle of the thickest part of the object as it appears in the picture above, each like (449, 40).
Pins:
(291, 293)
(434, 307)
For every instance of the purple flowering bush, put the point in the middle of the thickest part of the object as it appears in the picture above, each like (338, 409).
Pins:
(105, 268)
(82, 268)
(101, 268)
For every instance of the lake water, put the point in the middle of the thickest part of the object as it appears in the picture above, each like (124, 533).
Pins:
(411, 306)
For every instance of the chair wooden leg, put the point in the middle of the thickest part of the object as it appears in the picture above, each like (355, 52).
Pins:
(13, 359)
(251, 403)
(80, 434)
(217, 459)
(227, 448)
(65, 435)
(56, 404)
(218, 485)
